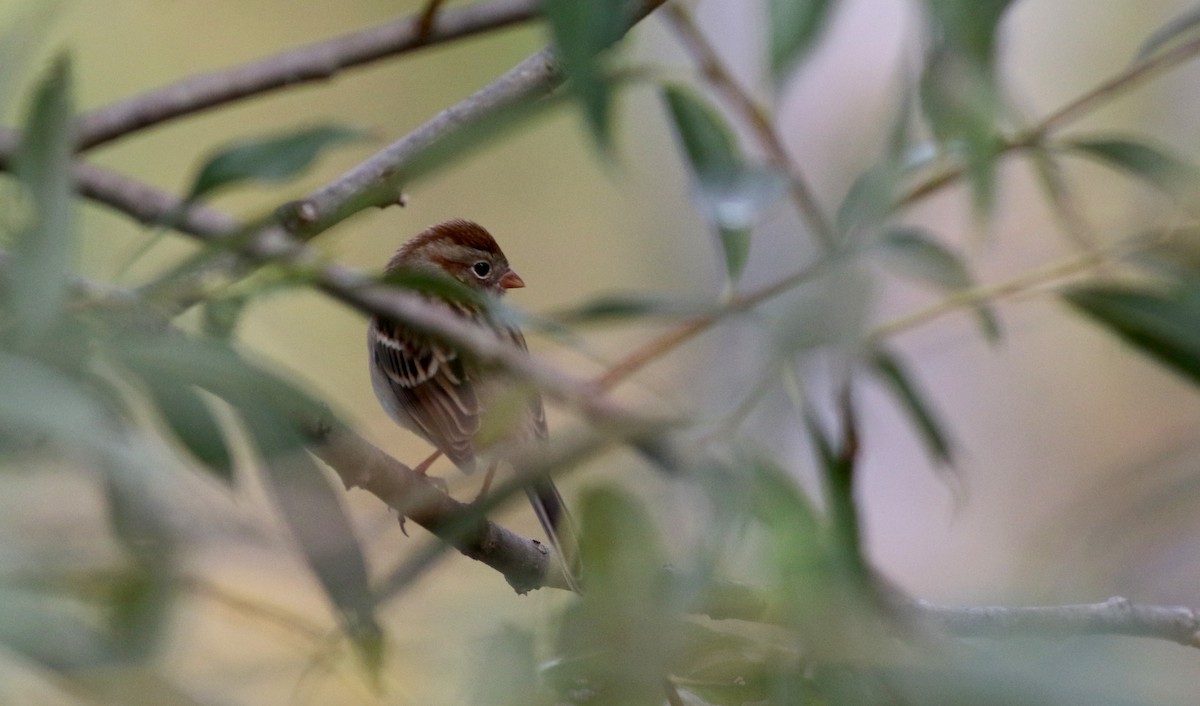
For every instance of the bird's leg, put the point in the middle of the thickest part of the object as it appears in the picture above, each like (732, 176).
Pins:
(487, 482)
(423, 467)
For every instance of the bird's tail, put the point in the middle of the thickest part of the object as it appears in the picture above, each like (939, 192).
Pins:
(559, 526)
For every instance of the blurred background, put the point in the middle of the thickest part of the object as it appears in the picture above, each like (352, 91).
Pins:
(1078, 461)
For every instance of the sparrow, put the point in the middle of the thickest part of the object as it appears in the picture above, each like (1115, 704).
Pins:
(438, 391)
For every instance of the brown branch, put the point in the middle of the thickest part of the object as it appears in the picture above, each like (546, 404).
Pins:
(375, 181)
(315, 62)
(755, 117)
(525, 563)
(1116, 616)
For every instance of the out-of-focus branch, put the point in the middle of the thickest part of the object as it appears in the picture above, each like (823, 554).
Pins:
(315, 62)
(1116, 616)
(1066, 114)
(753, 115)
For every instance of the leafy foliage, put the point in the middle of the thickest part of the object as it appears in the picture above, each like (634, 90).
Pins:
(114, 385)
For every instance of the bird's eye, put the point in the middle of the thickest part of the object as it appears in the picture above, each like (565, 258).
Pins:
(481, 269)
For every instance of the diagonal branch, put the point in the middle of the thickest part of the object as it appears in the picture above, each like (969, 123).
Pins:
(754, 116)
(315, 62)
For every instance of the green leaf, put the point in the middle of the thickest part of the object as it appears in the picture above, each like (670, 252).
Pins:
(912, 401)
(795, 26)
(916, 254)
(275, 414)
(27, 27)
(968, 27)
(1163, 323)
(619, 638)
(1146, 161)
(1168, 33)
(314, 514)
(270, 159)
(194, 425)
(732, 192)
(621, 307)
(39, 402)
(960, 96)
(707, 140)
(506, 674)
(582, 30)
(726, 669)
(961, 104)
(43, 250)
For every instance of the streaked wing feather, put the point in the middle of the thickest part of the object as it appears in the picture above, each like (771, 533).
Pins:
(433, 387)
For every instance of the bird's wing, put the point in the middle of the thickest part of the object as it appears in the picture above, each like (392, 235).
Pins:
(433, 389)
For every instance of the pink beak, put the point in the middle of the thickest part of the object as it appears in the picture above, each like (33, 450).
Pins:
(511, 280)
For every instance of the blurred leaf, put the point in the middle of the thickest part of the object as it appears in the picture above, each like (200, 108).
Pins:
(271, 159)
(727, 669)
(274, 414)
(960, 96)
(507, 674)
(1163, 323)
(40, 402)
(830, 310)
(732, 192)
(619, 638)
(314, 514)
(43, 250)
(802, 574)
(706, 138)
(221, 316)
(915, 253)
(582, 30)
(19, 41)
(435, 285)
(51, 630)
(962, 107)
(194, 425)
(1145, 161)
(619, 307)
(912, 401)
(969, 27)
(216, 367)
(1168, 33)
(868, 200)
(795, 26)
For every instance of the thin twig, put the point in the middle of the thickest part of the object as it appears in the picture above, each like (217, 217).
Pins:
(1116, 616)
(315, 62)
(1068, 113)
(977, 295)
(755, 117)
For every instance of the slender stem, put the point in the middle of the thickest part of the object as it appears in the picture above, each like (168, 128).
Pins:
(753, 114)
(1065, 115)
(1116, 616)
(666, 342)
(979, 295)
(315, 62)
(1056, 120)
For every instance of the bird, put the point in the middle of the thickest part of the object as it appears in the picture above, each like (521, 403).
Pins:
(438, 391)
